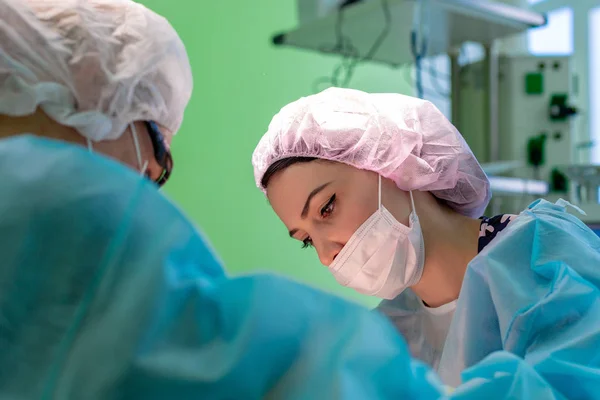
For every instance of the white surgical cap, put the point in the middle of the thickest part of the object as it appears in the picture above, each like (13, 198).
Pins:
(94, 65)
(402, 138)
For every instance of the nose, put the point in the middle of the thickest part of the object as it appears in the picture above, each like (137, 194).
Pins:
(328, 251)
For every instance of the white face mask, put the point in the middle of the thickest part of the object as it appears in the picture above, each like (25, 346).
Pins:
(138, 152)
(383, 257)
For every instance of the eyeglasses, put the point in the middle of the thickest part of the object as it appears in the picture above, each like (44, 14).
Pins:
(161, 153)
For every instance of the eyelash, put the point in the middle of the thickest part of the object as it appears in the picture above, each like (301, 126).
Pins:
(326, 212)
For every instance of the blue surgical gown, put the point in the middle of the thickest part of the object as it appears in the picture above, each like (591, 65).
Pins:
(108, 292)
(531, 300)
(527, 321)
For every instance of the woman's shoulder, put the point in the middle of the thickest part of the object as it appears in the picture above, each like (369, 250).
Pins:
(544, 221)
(553, 220)
(543, 233)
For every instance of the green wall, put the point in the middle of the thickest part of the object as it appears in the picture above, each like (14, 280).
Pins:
(241, 81)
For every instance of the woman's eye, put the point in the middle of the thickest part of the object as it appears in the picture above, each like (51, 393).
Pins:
(306, 243)
(328, 208)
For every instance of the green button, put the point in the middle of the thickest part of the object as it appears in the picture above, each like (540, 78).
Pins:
(534, 83)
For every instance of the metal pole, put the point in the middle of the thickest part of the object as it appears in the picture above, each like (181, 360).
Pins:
(455, 88)
(492, 61)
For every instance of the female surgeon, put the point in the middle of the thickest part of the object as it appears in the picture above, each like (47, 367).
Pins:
(390, 196)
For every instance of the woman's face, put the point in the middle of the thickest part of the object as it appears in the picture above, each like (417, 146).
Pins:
(323, 203)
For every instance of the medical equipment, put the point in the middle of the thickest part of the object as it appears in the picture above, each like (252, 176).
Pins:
(527, 132)
(586, 182)
(584, 185)
(535, 126)
(371, 30)
(501, 167)
(506, 186)
(449, 23)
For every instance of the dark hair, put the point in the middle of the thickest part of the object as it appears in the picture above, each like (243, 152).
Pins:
(280, 165)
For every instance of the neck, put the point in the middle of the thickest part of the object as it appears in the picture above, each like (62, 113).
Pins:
(450, 244)
(38, 124)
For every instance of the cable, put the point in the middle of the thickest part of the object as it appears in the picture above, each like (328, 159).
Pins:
(408, 78)
(418, 56)
(343, 72)
(418, 51)
(434, 75)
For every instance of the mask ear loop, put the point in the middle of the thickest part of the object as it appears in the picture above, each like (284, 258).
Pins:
(413, 214)
(138, 152)
(379, 203)
(90, 147)
(412, 200)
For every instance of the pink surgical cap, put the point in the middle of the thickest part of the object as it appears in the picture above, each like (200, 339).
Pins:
(402, 138)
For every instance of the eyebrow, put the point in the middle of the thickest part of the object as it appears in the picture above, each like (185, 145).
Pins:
(307, 204)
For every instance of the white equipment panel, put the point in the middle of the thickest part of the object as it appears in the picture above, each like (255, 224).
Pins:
(524, 112)
(450, 23)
